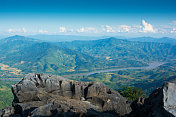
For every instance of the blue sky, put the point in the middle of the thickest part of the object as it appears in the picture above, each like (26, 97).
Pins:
(88, 17)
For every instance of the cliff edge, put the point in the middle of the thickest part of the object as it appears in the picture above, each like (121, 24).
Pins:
(49, 95)
(39, 95)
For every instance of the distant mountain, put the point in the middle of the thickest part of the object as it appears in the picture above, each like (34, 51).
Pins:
(20, 54)
(151, 39)
(62, 38)
(18, 38)
(15, 43)
(31, 55)
(123, 50)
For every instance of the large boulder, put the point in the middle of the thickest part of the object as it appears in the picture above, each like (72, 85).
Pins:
(169, 97)
(49, 95)
(6, 112)
(160, 103)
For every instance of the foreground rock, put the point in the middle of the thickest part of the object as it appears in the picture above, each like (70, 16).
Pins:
(49, 95)
(161, 103)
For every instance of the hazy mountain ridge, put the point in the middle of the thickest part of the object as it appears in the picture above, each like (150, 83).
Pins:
(63, 38)
(157, 40)
(118, 48)
(45, 57)
(32, 55)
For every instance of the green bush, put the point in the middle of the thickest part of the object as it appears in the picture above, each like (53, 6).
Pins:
(131, 93)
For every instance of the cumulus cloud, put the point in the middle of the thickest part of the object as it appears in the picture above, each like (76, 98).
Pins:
(136, 28)
(24, 30)
(124, 28)
(146, 27)
(88, 30)
(81, 29)
(173, 30)
(42, 31)
(92, 30)
(17, 30)
(62, 29)
(108, 28)
(10, 30)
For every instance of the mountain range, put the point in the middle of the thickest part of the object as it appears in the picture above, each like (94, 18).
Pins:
(20, 55)
(63, 38)
(157, 40)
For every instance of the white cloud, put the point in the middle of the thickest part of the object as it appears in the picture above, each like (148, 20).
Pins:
(81, 29)
(17, 30)
(24, 30)
(92, 30)
(173, 30)
(147, 27)
(136, 28)
(164, 29)
(42, 31)
(124, 28)
(62, 29)
(10, 30)
(108, 28)
(88, 30)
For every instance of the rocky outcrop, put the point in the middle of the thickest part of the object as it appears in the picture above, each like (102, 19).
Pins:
(169, 97)
(6, 112)
(49, 95)
(160, 103)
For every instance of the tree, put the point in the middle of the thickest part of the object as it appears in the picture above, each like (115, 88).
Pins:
(131, 93)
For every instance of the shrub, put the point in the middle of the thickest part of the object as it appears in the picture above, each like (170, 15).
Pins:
(131, 93)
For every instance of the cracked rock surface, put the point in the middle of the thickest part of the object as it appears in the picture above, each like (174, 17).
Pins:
(160, 103)
(39, 95)
(49, 95)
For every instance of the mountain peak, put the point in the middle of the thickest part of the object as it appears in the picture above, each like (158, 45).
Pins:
(17, 38)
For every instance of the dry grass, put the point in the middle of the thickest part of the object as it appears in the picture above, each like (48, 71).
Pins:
(10, 69)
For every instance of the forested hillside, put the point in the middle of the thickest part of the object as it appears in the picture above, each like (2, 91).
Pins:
(21, 55)
(122, 50)
(6, 95)
(147, 79)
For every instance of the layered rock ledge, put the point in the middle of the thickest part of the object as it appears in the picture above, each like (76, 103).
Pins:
(39, 95)
(160, 103)
(49, 95)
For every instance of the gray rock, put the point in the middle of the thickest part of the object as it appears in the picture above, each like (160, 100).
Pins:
(160, 103)
(6, 112)
(169, 97)
(49, 95)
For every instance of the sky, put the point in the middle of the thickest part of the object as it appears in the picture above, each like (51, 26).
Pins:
(156, 18)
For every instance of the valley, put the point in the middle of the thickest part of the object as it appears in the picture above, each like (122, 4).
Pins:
(64, 58)
(87, 58)
(151, 66)
(115, 62)
(147, 79)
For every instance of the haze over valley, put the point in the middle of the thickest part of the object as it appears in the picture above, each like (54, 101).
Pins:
(22, 55)
(87, 58)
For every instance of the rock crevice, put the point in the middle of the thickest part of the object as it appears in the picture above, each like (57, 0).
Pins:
(53, 96)
(49, 95)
